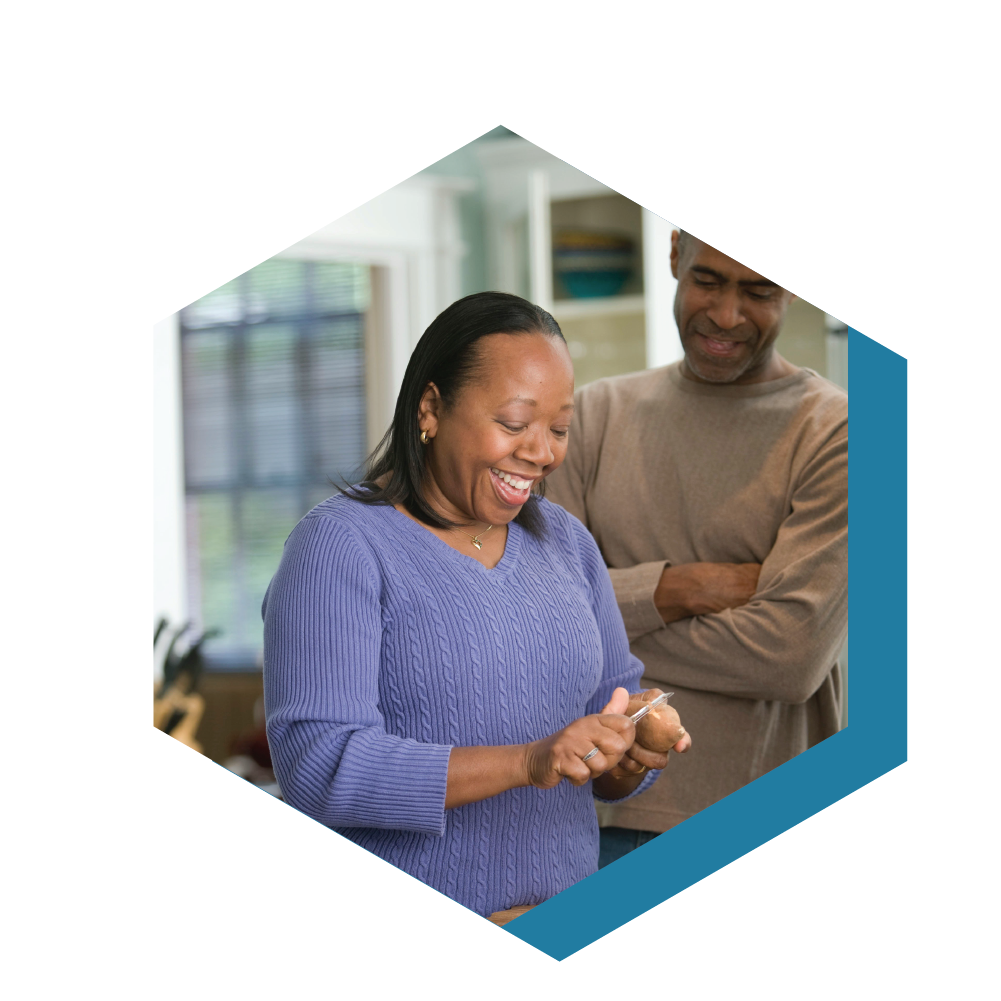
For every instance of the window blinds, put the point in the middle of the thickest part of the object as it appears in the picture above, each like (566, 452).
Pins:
(273, 381)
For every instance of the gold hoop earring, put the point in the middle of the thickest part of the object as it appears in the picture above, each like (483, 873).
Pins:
(424, 438)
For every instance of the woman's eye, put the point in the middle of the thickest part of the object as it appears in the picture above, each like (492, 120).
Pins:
(560, 432)
(514, 428)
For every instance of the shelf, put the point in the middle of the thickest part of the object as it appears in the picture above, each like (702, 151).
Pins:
(612, 305)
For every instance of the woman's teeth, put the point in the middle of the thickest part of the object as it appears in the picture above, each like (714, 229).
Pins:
(512, 480)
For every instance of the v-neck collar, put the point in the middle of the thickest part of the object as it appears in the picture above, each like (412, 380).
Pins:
(512, 545)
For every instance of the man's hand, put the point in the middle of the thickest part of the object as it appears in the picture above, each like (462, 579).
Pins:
(704, 588)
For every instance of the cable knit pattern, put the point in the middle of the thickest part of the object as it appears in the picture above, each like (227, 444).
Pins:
(384, 648)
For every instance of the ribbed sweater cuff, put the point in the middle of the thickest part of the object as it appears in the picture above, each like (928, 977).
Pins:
(634, 591)
(648, 780)
(398, 787)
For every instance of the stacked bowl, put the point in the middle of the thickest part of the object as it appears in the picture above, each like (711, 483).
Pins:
(592, 263)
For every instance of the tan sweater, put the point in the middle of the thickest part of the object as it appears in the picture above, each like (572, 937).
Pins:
(664, 470)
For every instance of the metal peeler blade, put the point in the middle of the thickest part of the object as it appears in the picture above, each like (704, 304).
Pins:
(659, 701)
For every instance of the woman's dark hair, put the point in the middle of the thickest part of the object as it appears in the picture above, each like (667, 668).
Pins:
(446, 355)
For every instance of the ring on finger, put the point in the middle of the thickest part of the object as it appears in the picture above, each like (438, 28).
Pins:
(590, 754)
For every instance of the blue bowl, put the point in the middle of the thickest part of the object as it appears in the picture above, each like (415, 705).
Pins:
(594, 284)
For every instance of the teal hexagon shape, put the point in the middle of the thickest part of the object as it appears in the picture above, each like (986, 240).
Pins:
(874, 742)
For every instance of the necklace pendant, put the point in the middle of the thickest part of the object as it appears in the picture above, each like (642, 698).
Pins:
(477, 543)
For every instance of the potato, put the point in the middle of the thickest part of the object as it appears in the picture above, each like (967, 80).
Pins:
(660, 729)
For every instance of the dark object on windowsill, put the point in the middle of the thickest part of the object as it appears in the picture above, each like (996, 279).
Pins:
(177, 708)
(170, 659)
(160, 626)
(184, 671)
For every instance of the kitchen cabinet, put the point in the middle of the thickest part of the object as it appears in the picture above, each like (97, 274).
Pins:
(530, 197)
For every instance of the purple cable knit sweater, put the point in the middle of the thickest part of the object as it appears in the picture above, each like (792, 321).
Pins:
(384, 648)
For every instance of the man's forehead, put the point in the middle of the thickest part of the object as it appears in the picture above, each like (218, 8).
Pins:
(701, 255)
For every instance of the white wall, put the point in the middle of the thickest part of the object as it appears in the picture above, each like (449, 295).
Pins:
(663, 345)
(169, 589)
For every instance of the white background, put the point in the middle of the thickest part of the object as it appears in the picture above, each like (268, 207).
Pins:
(155, 151)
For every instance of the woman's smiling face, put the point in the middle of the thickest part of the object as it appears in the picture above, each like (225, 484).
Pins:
(506, 429)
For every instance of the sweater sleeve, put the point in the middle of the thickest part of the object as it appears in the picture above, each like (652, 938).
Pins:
(781, 645)
(635, 588)
(620, 667)
(332, 756)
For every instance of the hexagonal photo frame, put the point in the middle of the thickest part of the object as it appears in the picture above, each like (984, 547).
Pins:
(876, 739)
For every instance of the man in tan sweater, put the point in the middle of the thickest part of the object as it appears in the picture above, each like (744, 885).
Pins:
(717, 490)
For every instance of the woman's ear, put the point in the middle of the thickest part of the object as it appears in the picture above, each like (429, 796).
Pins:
(429, 410)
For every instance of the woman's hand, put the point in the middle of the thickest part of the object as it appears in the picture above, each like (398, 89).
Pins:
(561, 756)
(639, 759)
(477, 773)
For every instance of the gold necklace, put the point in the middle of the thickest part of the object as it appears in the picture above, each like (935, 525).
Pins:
(476, 538)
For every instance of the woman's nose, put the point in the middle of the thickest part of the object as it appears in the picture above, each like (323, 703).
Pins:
(536, 449)
(725, 312)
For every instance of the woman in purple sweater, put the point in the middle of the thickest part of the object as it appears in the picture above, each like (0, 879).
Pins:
(444, 662)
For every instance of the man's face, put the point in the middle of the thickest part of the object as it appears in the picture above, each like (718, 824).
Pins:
(728, 315)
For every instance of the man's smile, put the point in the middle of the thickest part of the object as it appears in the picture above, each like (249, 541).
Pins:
(719, 347)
